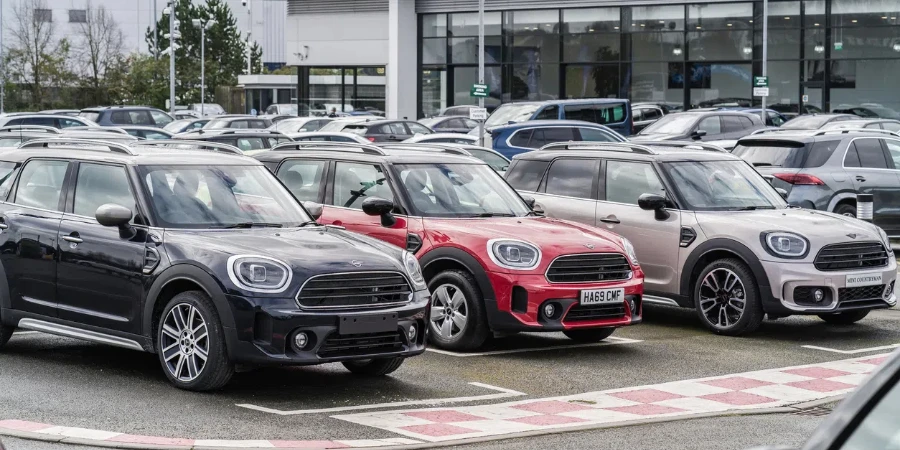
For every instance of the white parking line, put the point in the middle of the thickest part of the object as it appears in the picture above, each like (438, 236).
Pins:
(615, 341)
(20, 333)
(503, 393)
(852, 352)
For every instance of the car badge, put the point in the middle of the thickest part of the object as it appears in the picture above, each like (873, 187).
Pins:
(589, 246)
(852, 235)
(356, 263)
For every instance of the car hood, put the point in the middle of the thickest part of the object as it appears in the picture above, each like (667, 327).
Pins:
(656, 137)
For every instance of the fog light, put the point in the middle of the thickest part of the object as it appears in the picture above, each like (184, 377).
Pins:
(633, 307)
(888, 291)
(412, 333)
(300, 340)
(549, 310)
(819, 295)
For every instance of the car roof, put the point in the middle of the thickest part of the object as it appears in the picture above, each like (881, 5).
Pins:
(94, 150)
(322, 133)
(230, 132)
(551, 123)
(390, 156)
(122, 107)
(140, 127)
(663, 151)
(801, 135)
(41, 115)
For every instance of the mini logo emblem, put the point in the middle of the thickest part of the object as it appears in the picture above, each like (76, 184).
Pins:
(852, 235)
(356, 263)
(589, 246)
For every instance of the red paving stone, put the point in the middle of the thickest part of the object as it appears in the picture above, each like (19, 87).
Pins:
(438, 430)
(647, 395)
(817, 372)
(548, 420)
(446, 416)
(821, 385)
(737, 383)
(875, 361)
(646, 410)
(738, 398)
(22, 425)
(551, 407)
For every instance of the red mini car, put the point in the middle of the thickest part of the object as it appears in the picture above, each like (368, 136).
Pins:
(492, 264)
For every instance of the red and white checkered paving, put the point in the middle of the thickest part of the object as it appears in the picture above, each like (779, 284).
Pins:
(744, 391)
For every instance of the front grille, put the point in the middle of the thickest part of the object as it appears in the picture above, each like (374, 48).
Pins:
(860, 294)
(581, 313)
(588, 268)
(354, 290)
(337, 345)
(850, 256)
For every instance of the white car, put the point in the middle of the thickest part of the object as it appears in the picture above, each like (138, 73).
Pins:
(48, 120)
(328, 136)
(444, 138)
(300, 124)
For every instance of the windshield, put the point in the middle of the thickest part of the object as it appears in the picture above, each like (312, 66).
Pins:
(672, 124)
(721, 186)
(883, 112)
(219, 197)
(459, 190)
(511, 112)
(806, 122)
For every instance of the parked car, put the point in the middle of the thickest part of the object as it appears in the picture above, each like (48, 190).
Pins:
(206, 109)
(127, 115)
(248, 141)
(773, 118)
(613, 113)
(643, 115)
(183, 114)
(338, 123)
(182, 125)
(666, 107)
(328, 136)
(873, 110)
(789, 110)
(62, 112)
(11, 137)
(451, 124)
(288, 109)
(874, 124)
(826, 170)
(491, 264)
(237, 121)
(151, 133)
(715, 125)
(46, 120)
(815, 121)
(379, 130)
(275, 118)
(184, 271)
(522, 137)
(457, 111)
(300, 124)
(712, 234)
(444, 138)
(493, 158)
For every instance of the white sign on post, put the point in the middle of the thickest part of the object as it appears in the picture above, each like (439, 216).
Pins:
(760, 92)
(478, 113)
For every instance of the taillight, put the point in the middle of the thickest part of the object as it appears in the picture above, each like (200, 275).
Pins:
(799, 178)
(371, 139)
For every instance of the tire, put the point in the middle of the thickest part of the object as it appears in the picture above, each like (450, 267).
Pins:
(374, 367)
(5, 333)
(844, 318)
(474, 330)
(185, 358)
(846, 210)
(734, 322)
(590, 335)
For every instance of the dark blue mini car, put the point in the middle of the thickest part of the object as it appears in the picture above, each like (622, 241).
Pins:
(510, 140)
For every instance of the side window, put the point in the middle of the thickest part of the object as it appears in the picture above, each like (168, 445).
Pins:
(580, 112)
(415, 128)
(197, 125)
(154, 135)
(625, 181)
(355, 182)
(140, 118)
(14, 122)
(41, 183)
(875, 126)
(852, 157)
(590, 134)
(893, 147)
(526, 174)
(453, 123)
(748, 123)
(871, 154)
(732, 124)
(8, 173)
(892, 126)
(257, 124)
(336, 139)
(550, 112)
(607, 113)
(99, 184)
(247, 144)
(42, 121)
(546, 136)
(572, 178)
(637, 115)
(775, 119)
(240, 124)
(652, 114)
(711, 125)
(162, 119)
(398, 128)
(66, 123)
(271, 110)
(470, 124)
(521, 138)
(303, 178)
(120, 118)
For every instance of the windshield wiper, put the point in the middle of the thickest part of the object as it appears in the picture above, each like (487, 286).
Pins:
(252, 224)
(487, 214)
(752, 208)
(311, 222)
(765, 164)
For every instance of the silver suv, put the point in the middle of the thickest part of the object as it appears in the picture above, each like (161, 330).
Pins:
(712, 234)
(824, 170)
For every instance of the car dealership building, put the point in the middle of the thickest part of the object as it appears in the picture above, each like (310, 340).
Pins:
(412, 58)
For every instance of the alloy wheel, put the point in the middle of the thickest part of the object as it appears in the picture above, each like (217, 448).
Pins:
(449, 313)
(722, 298)
(185, 342)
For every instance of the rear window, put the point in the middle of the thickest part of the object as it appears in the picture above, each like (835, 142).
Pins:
(356, 129)
(772, 153)
(601, 113)
(806, 122)
(526, 174)
(90, 115)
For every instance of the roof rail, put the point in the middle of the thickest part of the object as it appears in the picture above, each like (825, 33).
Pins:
(687, 145)
(354, 147)
(96, 128)
(52, 130)
(856, 130)
(45, 143)
(600, 146)
(426, 147)
(783, 130)
(193, 144)
(247, 130)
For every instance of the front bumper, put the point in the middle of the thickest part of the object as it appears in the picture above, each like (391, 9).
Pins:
(520, 298)
(792, 283)
(265, 330)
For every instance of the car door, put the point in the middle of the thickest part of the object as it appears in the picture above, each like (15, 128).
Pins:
(29, 225)
(569, 190)
(892, 224)
(100, 274)
(304, 178)
(872, 172)
(656, 242)
(712, 125)
(350, 183)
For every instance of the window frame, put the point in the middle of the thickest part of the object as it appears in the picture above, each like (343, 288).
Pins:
(887, 157)
(595, 183)
(332, 175)
(78, 14)
(327, 167)
(72, 188)
(63, 192)
(602, 183)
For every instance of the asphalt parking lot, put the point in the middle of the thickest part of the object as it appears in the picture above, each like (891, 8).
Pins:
(66, 382)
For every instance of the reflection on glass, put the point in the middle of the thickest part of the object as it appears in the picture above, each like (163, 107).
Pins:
(655, 82)
(783, 44)
(781, 15)
(434, 25)
(543, 21)
(590, 20)
(720, 16)
(434, 87)
(535, 48)
(865, 83)
(856, 13)
(533, 82)
(720, 84)
(591, 47)
(434, 51)
(720, 45)
(466, 24)
(654, 18)
(465, 77)
(590, 81)
(465, 50)
(814, 14)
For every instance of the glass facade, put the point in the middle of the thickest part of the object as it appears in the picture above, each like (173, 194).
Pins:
(822, 54)
(343, 89)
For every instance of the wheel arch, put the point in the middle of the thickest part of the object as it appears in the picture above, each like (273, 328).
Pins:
(441, 259)
(5, 299)
(841, 198)
(721, 248)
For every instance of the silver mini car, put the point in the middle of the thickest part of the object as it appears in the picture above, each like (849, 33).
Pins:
(712, 234)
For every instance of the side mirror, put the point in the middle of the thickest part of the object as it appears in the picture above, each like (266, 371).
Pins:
(697, 134)
(783, 193)
(375, 206)
(656, 203)
(113, 215)
(531, 202)
(315, 209)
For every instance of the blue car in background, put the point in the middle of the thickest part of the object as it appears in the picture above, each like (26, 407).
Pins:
(614, 113)
(522, 137)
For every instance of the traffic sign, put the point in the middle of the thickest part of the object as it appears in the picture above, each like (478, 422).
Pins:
(760, 92)
(478, 113)
(479, 90)
(760, 82)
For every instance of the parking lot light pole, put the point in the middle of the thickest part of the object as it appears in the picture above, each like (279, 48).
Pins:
(3, 71)
(765, 51)
(481, 67)
(203, 27)
(170, 10)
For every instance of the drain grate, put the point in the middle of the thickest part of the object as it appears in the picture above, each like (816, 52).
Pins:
(816, 411)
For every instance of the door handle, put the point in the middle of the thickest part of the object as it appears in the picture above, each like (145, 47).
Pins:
(860, 178)
(3, 226)
(611, 220)
(73, 239)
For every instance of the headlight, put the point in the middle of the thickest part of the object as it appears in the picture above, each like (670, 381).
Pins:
(782, 244)
(259, 274)
(884, 237)
(512, 254)
(414, 270)
(629, 250)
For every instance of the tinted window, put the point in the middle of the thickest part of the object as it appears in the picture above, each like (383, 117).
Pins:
(452, 123)
(871, 155)
(549, 113)
(626, 181)
(303, 178)
(257, 124)
(820, 153)
(544, 136)
(162, 119)
(572, 178)
(521, 138)
(140, 118)
(746, 122)
(652, 114)
(98, 185)
(711, 125)
(338, 139)
(246, 144)
(353, 183)
(526, 174)
(580, 112)
(397, 128)
(893, 147)
(40, 184)
(590, 134)
(66, 123)
(470, 124)
(731, 124)
(43, 121)
(119, 117)
(419, 129)
(852, 157)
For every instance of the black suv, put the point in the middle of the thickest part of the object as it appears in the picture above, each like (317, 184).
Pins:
(203, 258)
(110, 116)
(249, 141)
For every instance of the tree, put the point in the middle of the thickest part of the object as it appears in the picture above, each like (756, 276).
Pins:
(101, 47)
(34, 57)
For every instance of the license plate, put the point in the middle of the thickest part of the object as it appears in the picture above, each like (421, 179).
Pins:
(369, 323)
(598, 296)
(864, 279)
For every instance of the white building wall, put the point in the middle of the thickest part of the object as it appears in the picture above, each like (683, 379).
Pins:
(337, 39)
